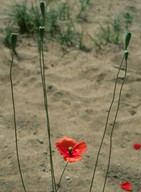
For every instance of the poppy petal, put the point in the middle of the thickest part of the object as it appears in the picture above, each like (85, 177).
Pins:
(73, 159)
(80, 148)
(126, 186)
(64, 143)
(137, 146)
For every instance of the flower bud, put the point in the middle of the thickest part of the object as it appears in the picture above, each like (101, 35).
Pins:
(13, 42)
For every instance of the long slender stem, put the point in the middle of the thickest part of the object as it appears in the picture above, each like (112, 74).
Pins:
(15, 124)
(61, 176)
(42, 68)
(105, 128)
(111, 135)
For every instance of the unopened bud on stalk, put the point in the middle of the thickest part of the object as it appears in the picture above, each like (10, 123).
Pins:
(42, 7)
(13, 42)
(127, 39)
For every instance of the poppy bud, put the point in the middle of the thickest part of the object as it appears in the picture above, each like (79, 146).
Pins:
(13, 42)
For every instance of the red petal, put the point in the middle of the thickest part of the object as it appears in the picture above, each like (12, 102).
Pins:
(64, 143)
(80, 148)
(73, 159)
(137, 146)
(126, 186)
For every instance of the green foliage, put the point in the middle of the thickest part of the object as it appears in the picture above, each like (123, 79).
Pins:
(58, 20)
(64, 12)
(111, 33)
(116, 29)
(83, 5)
(22, 16)
(52, 26)
(7, 35)
(67, 35)
(128, 17)
(35, 19)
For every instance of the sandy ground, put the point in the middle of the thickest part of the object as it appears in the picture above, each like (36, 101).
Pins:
(80, 87)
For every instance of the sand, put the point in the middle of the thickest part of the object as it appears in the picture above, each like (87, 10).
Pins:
(80, 88)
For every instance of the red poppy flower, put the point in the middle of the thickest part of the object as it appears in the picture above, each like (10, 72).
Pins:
(126, 186)
(70, 149)
(137, 146)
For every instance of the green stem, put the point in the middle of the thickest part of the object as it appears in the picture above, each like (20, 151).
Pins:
(15, 123)
(105, 128)
(111, 135)
(61, 176)
(42, 68)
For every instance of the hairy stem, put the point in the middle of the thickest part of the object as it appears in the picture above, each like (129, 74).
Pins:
(61, 176)
(15, 123)
(111, 135)
(42, 69)
(105, 128)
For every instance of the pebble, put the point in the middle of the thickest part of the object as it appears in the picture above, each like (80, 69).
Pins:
(40, 141)
(67, 178)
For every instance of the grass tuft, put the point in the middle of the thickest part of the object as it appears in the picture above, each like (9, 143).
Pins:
(111, 32)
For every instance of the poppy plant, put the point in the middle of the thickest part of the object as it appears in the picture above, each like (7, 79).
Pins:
(137, 146)
(126, 186)
(70, 149)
